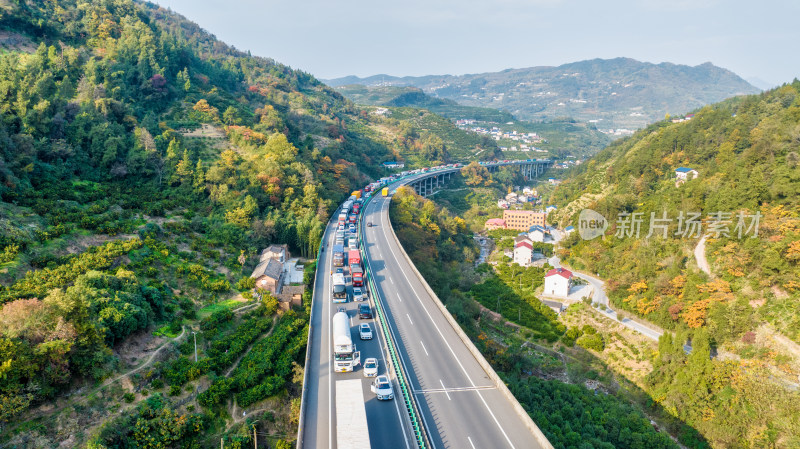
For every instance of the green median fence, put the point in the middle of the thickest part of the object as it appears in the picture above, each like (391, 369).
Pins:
(408, 397)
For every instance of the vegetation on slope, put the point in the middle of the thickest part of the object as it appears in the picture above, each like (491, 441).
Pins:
(562, 136)
(746, 153)
(143, 165)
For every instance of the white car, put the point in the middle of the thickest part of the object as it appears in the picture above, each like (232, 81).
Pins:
(352, 243)
(352, 228)
(371, 367)
(364, 331)
(382, 388)
(358, 295)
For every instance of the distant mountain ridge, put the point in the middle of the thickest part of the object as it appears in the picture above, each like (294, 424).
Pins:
(612, 93)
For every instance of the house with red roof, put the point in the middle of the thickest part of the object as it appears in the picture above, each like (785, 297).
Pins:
(523, 251)
(495, 223)
(557, 282)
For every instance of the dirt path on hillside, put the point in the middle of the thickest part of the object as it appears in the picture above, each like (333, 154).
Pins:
(148, 362)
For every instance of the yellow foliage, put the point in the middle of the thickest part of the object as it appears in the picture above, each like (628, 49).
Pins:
(638, 287)
(793, 252)
(645, 306)
(695, 314)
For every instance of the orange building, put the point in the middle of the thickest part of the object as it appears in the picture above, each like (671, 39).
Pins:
(522, 220)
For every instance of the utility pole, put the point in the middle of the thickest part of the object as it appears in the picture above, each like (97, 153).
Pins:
(221, 444)
(255, 437)
(195, 346)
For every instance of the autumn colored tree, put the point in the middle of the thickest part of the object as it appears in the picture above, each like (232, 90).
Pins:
(476, 174)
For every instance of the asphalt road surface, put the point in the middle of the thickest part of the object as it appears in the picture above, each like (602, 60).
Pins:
(460, 404)
(387, 420)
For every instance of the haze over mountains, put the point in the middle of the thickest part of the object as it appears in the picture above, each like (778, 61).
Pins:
(613, 93)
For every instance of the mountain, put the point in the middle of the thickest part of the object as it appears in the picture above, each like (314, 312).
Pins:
(613, 93)
(744, 308)
(760, 83)
(144, 165)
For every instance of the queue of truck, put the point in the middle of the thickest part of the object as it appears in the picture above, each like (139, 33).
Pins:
(347, 258)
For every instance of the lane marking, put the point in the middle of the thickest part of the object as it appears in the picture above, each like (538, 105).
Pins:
(423, 348)
(445, 390)
(470, 442)
(370, 300)
(380, 297)
(453, 389)
(409, 319)
(391, 280)
(326, 299)
(430, 317)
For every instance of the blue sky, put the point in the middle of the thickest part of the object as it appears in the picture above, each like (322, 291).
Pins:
(420, 37)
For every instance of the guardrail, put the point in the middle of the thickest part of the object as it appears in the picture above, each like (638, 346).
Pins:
(420, 434)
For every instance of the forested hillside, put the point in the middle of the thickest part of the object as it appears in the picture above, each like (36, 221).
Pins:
(744, 312)
(560, 137)
(143, 166)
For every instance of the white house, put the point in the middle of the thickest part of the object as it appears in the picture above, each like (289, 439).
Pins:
(685, 173)
(549, 209)
(569, 230)
(523, 252)
(557, 282)
(502, 204)
(536, 233)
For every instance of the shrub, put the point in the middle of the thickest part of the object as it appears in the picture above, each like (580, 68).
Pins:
(128, 397)
(592, 341)
(245, 284)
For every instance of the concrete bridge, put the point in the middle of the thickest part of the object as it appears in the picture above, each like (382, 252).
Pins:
(430, 182)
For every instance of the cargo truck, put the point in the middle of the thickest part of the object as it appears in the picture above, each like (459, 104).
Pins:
(356, 194)
(338, 288)
(351, 415)
(345, 356)
(338, 255)
(385, 191)
(354, 257)
(357, 273)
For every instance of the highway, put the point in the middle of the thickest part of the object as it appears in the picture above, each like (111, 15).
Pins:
(387, 420)
(460, 404)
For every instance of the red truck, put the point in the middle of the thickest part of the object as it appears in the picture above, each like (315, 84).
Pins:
(357, 273)
(354, 257)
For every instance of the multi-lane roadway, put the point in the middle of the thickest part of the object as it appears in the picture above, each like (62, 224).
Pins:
(460, 404)
(388, 424)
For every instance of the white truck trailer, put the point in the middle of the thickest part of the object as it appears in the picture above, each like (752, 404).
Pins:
(351, 416)
(345, 356)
